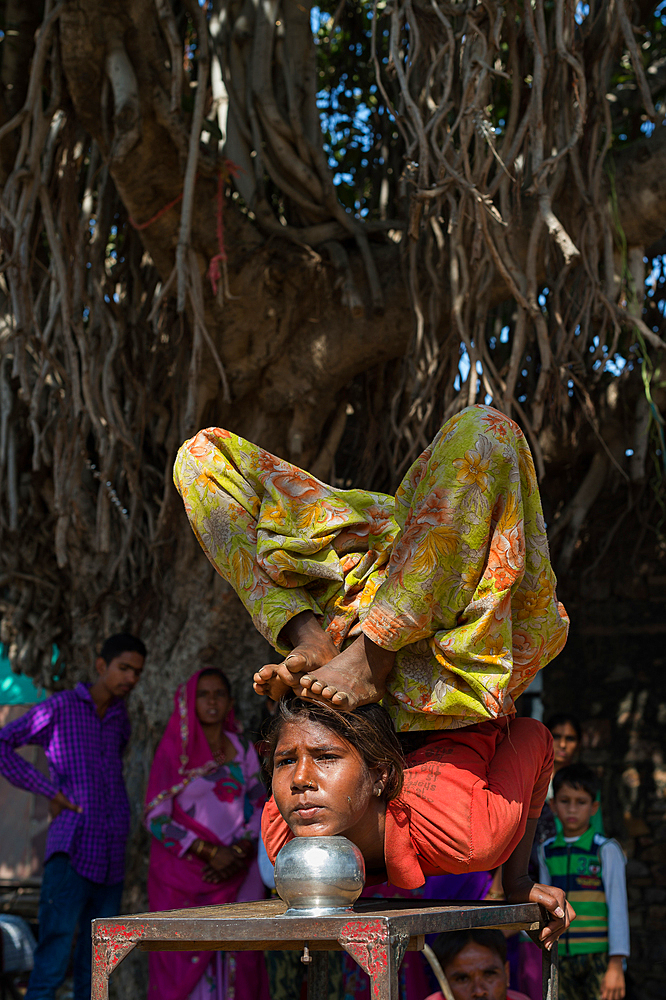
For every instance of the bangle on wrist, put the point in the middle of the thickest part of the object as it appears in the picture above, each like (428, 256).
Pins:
(213, 852)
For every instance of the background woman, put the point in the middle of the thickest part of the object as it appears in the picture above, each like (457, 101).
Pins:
(566, 734)
(203, 809)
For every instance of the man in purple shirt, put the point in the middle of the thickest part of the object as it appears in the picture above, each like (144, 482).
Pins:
(83, 733)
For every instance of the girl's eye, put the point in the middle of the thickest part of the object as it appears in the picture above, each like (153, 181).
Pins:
(283, 761)
(328, 756)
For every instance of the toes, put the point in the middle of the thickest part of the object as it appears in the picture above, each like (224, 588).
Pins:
(266, 673)
(277, 689)
(329, 692)
(286, 677)
(320, 691)
(339, 698)
(295, 663)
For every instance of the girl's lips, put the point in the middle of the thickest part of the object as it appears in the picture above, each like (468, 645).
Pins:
(307, 811)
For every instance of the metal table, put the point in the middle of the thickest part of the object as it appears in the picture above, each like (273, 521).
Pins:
(377, 934)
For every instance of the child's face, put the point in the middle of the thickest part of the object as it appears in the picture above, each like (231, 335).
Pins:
(574, 808)
(321, 785)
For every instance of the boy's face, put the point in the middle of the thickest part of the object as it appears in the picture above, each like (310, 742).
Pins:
(121, 674)
(574, 807)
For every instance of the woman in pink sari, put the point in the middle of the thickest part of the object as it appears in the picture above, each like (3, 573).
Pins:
(203, 809)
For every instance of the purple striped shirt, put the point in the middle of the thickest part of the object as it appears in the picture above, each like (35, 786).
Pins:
(84, 753)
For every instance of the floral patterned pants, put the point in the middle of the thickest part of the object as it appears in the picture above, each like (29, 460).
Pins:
(453, 573)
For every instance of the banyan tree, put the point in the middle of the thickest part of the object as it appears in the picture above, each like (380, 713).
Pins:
(327, 228)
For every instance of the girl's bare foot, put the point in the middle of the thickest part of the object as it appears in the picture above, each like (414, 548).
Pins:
(357, 676)
(312, 648)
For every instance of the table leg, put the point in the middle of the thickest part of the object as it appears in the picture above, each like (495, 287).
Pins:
(318, 975)
(111, 943)
(378, 952)
(549, 977)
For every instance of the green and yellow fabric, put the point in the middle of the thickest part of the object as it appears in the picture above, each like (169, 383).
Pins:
(453, 573)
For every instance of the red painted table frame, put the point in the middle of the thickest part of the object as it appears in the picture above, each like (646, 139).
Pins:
(377, 935)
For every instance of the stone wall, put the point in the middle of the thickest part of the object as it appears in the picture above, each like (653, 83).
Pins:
(612, 676)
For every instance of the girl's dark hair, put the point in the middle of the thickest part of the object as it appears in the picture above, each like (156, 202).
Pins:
(367, 729)
(216, 672)
(561, 719)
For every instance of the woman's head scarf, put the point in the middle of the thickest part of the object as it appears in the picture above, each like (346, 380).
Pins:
(183, 752)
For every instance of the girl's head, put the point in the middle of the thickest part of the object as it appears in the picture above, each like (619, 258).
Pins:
(566, 733)
(214, 700)
(332, 771)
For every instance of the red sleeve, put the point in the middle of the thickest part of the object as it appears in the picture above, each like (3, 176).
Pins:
(274, 831)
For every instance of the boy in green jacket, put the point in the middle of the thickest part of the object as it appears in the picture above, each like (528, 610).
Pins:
(590, 869)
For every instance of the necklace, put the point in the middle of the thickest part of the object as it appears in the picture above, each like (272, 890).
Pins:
(218, 753)
(217, 749)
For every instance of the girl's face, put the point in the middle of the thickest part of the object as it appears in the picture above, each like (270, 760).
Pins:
(565, 744)
(321, 785)
(213, 700)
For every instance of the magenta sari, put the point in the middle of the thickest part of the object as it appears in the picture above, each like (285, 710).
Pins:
(191, 796)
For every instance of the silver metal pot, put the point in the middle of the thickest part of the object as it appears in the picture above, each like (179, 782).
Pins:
(318, 875)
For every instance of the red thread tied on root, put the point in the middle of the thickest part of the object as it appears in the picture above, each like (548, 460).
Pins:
(214, 274)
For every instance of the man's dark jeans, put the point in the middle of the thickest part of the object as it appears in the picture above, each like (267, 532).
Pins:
(67, 901)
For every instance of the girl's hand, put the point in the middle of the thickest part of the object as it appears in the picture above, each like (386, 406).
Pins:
(552, 899)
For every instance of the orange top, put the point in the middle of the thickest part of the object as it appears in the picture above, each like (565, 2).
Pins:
(464, 806)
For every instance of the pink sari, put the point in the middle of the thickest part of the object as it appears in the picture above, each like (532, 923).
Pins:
(191, 796)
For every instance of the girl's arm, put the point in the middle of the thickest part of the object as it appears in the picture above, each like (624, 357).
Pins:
(520, 888)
